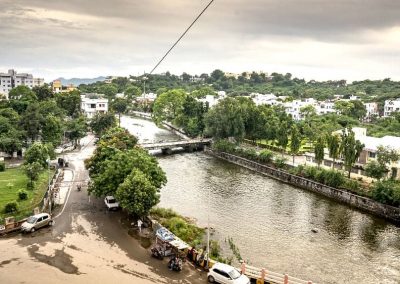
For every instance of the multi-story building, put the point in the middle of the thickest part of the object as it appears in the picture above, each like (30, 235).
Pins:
(58, 87)
(92, 104)
(391, 106)
(325, 107)
(372, 110)
(12, 79)
(294, 108)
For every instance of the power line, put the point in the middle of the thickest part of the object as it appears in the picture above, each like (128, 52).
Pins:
(184, 33)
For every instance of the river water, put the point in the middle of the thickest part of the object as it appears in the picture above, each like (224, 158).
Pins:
(271, 222)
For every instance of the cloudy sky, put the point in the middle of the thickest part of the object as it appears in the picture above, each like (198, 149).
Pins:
(312, 39)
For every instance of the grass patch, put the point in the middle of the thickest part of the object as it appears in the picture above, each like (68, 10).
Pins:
(13, 180)
(182, 227)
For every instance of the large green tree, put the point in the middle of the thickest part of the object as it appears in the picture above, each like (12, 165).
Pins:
(350, 149)
(169, 105)
(319, 150)
(119, 105)
(295, 141)
(333, 143)
(101, 122)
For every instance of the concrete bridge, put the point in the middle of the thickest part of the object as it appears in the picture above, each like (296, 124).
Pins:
(188, 145)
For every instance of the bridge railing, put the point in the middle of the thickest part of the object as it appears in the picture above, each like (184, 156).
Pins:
(272, 277)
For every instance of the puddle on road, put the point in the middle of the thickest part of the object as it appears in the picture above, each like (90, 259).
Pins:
(5, 262)
(60, 260)
(145, 241)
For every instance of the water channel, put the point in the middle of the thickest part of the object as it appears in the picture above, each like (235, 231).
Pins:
(271, 222)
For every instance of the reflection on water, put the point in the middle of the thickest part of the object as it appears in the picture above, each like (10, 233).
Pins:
(271, 222)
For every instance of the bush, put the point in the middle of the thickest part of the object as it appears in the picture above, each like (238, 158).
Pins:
(159, 212)
(30, 185)
(11, 207)
(224, 146)
(184, 230)
(22, 194)
(387, 192)
(250, 154)
(310, 172)
(352, 185)
(2, 166)
(334, 178)
(280, 162)
(266, 156)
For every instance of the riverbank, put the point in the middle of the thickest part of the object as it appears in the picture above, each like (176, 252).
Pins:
(388, 212)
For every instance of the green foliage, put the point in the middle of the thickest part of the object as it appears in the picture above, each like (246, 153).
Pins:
(168, 106)
(2, 166)
(333, 143)
(22, 194)
(235, 249)
(32, 170)
(375, 170)
(224, 146)
(164, 213)
(137, 195)
(101, 122)
(186, 231)
(43, 92)
(266, 156)
(11, 207)
(76, 129)
(352, 185)
(350, 149)
(387, 192)
(329, 177)
(70, 102)
(280, 162)
(39, 153)
(319, 150)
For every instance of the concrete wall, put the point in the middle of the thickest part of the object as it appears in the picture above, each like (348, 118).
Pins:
(363, 203)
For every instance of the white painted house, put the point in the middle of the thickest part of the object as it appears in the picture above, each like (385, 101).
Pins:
(391, 106)
(92, 104)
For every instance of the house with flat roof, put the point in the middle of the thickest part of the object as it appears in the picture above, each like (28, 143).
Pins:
(92, 104)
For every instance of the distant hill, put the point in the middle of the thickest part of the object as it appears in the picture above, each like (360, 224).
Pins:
(78, 81)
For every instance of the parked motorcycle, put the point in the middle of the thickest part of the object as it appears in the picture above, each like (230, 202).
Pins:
(157, 252)
(175, 264)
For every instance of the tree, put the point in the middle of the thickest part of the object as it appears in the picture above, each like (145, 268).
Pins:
(386, 156)
(308, 112)
(319, 150)
(295, 141)
(22, 93)
(109, 90)
(70, 102)
(375, 170)
(168, 106)
(226, 120)
(217, 75)
(52, 130)
(32, 170)
(282, 136)
(101, 122)
(350, 149)
(136, 194)
(132, 92)
(39, 153)
(76, 129)
(43, 92)
(333, 143)
(31, 120)
(119, 105)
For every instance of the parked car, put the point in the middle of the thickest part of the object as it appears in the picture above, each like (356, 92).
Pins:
(36, 222)
(111, 203)
(226, 274)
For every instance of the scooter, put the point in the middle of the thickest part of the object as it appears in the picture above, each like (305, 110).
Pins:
(175, 264)
(157, 252)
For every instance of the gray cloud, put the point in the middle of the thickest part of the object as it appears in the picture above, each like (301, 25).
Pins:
(130, 36)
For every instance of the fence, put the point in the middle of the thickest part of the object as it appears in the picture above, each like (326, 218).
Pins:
(263, 275)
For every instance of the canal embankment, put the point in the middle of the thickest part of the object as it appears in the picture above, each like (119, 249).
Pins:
(388, 212)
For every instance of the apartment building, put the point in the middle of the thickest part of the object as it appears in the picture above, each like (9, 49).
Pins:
(92, 104)
(12, 79)
(391, 106)
(372, 110)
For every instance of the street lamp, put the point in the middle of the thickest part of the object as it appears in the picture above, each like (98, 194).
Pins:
(48, 185)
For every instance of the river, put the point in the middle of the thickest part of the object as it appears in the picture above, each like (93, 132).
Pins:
(272, 222)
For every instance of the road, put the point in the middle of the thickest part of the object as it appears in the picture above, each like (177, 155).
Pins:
(87, 244)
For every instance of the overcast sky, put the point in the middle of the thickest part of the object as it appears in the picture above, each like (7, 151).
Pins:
(312, 39)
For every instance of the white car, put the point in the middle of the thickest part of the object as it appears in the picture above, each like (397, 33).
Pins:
(36, 221)
(226, 274)
(111, 202)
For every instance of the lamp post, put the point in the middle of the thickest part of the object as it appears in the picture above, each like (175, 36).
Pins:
(48, 185)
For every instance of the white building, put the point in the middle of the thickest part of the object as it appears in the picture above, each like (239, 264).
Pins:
(391, 106)
(92, 104)
(293, 108)
(372, 110)
(12, 79)
(261, 99)
(325, 107)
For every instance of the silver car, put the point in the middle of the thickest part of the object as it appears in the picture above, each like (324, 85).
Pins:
(36, 222)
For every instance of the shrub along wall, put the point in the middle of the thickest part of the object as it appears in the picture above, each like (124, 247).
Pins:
(372, 206)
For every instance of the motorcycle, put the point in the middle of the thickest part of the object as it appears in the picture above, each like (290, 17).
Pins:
(175, 264)
(157, 252)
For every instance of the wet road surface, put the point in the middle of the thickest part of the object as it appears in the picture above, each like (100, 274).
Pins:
(87, 244)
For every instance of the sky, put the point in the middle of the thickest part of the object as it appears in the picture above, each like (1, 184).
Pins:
(312, 39)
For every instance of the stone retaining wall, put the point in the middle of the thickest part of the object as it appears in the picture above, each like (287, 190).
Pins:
(360, 202)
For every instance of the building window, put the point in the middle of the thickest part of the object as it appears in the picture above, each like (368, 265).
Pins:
(93, 106)
(372, 155)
